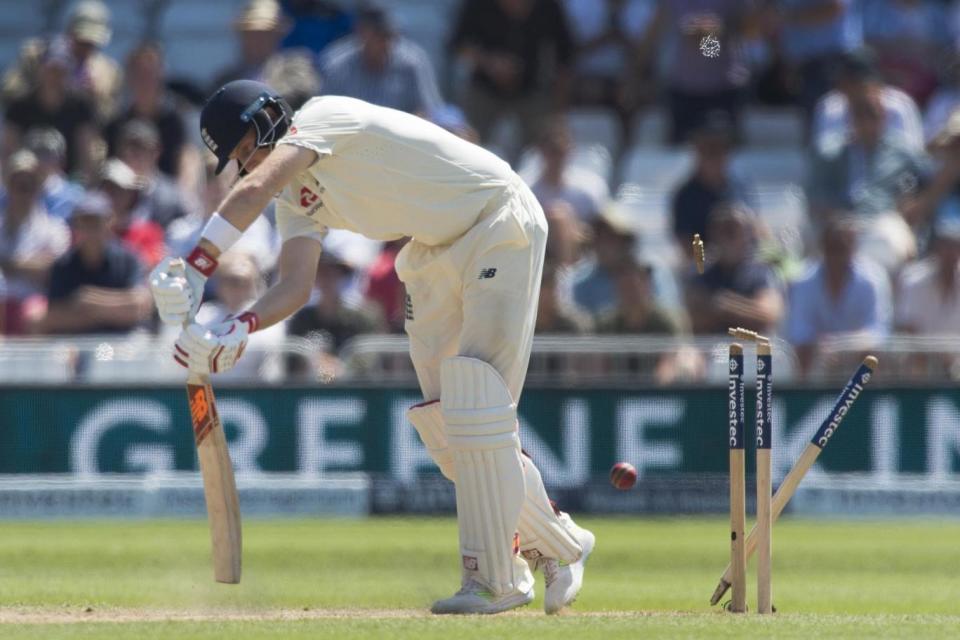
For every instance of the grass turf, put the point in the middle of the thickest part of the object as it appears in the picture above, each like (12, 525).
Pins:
(375, 578)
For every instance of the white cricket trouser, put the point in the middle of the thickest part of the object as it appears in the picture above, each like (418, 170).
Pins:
(477, 297)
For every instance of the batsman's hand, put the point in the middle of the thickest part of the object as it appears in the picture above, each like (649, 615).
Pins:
(215, 348)
(177, 285)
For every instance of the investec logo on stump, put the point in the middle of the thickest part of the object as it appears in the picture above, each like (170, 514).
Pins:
(764, 401)
(835, 421)
(732, 404)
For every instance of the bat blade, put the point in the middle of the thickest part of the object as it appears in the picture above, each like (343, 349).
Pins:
(219, 485)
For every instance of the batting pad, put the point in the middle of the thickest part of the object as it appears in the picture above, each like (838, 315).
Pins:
(541, 532)
(427, 419)
(481, 420)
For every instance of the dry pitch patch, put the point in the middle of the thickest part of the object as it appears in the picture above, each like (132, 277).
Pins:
(36, 615)
(74, 615)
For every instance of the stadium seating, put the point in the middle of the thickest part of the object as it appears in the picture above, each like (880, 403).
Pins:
(594, 158)
(771, 166)
(649, 209)
(193, 33)
(658, 167)
(591, 126)
(650, 127)
(766, 127)
(20, 18)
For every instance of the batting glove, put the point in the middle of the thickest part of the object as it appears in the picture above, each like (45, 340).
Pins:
(216, 348)
(177, 285)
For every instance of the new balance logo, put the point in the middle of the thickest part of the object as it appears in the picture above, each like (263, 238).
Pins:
(486, 274)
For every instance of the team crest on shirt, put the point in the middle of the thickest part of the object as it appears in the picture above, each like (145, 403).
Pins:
(310, 200)
(307, 197)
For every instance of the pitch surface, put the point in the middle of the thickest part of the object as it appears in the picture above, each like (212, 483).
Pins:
(376, 578)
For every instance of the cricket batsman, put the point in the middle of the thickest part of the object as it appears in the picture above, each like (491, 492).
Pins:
(472, 273)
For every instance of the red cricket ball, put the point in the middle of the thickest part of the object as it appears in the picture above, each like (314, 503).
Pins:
(623, 475)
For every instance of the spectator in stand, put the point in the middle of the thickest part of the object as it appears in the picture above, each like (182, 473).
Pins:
(134, 229)
(638, 313)
(929, 292)
(710, 183)
(51, 103)
(259, 29)
(94, 74)
(945, 102)
(30, 240)
(839, 296)
(736, 290)
(90, 73)
(331, 319)
(911, 38)
(857, 79)
(567, 234)
(383, 287)
(878, 176)
(260, 240)
(316, 24)
(697, 82)
(553, 316)
(520, 53)
(586, 192)
(813, 33)
(378, 65)
(608, 34)
(97, 287)
(590, 285)
(238, 283)
(928, 299)
(3, 304)
(294, 77)
(138, 145)
(148, 101)
(59, 194)
(330, 314)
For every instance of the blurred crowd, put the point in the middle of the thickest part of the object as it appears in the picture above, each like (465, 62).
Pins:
(103, 172)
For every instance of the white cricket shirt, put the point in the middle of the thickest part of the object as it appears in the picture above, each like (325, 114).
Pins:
(384, 174)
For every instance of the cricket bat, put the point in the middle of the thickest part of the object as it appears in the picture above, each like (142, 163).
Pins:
(810, 454)
(216, 469)
(219, 486)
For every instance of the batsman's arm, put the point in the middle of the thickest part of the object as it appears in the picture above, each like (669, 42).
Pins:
(298, 268)
(253, 193)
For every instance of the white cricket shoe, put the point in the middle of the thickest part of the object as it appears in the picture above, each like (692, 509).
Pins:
(564, 581)
(473, 597)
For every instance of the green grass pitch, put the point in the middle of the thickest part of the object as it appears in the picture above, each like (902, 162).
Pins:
(651, 578)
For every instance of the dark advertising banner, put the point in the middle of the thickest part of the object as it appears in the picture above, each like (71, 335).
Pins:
(676, 438)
